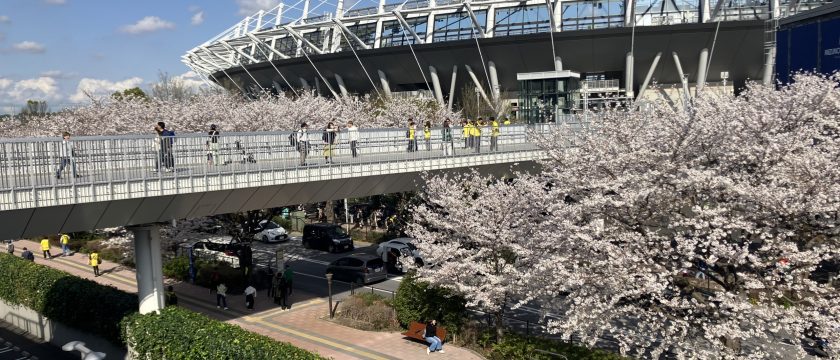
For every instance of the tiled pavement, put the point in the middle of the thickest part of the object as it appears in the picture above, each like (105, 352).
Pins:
(304, 325)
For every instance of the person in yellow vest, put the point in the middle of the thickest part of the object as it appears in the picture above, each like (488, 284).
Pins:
(411, 134)
(468, 134)
(507, 121)
(65, 244)
(45, 248)
(94, 262)
(427, 135)
(476, 134)
(494, 134)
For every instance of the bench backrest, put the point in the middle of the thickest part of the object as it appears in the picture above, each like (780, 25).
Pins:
(416, 329)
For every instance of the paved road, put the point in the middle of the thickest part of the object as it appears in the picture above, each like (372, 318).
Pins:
(16, 346)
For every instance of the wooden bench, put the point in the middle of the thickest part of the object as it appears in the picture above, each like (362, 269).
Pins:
(416, 330)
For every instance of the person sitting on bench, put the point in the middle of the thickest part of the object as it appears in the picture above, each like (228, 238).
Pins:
(435, 344)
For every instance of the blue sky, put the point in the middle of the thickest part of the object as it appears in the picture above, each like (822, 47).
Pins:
(50, 49)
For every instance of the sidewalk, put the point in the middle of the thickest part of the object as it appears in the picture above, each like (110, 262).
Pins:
(303, 325)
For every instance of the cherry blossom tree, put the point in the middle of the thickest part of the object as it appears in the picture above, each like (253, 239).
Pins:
(704, 232)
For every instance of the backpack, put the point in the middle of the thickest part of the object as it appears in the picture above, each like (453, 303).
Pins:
(293, 141)
(326, 137)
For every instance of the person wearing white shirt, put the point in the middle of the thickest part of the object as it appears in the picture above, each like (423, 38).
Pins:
(303, 143)
(65, 155)
(353, 136)
(250, 293)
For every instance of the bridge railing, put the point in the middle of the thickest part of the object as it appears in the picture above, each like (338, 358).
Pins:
(29, 166)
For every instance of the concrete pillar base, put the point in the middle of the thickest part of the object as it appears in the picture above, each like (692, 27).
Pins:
(149, 268)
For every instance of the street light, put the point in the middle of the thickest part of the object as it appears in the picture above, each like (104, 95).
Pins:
(329, 292)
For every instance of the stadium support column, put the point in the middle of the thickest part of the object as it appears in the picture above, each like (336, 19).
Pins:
(705, 11)
(305, 84)
(384, 81)
(149, 267)
(701, 71)
(628, 75)
(769, 61)
(629, 11)
(436, 85)
(341, 86)
(558, 63)
(683, 80)
(478, 86)
(452, 87)
(494, 80)
(649, 75)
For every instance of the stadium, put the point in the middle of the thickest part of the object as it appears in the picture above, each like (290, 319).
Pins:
(560, 55)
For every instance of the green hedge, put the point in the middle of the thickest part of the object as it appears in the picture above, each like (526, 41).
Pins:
(70, 300)
(515, 346)
(179, 334)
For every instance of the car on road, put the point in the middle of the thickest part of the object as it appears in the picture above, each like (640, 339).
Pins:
(269, 232)
(358, 268)
(219, 248)
(401, 246)
(324, 236)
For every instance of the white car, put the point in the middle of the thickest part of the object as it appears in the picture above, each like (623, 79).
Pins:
(401, 245)
(269, 232)
(217, 248)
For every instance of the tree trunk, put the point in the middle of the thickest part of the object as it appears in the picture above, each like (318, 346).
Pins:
(329, 211)
(500, 326)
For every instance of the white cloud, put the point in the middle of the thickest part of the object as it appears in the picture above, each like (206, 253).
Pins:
(42, 88)
(197, 18)
(4, 19)
(147, 24)
(57, 74)
(29, 47)
(56, 2)
(100, 87)
(191, 80)
(250, 7)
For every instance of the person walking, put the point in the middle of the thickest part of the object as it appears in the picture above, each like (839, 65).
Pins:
(329, 137)
(45, 248)
(446, 138)
(250, 293)
(93, 260)
(465, 129)
(411, 134)
(221, 296)
(10, 246)
(167, 141)
(213, 145)
(28, 255)
(427, 135)
(66, 155)
(65, 244)
(303, 143)
(476, 134)
(170, 297)
(283, 296)
(435, 344)
(289, 276)
(494, 134)
(353, 137)
(274, 293)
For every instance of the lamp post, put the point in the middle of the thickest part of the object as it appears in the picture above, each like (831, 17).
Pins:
(329, 292)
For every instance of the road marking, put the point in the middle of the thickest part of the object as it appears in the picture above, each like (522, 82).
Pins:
(317, 339)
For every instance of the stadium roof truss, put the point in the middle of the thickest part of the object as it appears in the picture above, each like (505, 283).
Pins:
(289, 30)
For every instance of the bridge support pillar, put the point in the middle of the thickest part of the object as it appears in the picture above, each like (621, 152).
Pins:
(149, 267)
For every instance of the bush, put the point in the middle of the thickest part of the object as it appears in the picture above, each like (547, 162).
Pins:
(515, 346)
(368, 312)
(286, 224)
(72, 301)
(417, 301)
(177, 268)
(181, 334)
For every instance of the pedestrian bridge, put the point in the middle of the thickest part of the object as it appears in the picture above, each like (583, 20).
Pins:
(117, 185)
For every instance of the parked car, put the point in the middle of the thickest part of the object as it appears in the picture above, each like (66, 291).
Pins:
(401, 246)
(329, 237)
(220, 248)
(358, 268)
(269, 232)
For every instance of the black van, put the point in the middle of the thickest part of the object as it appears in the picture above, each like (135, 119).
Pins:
(330, 237)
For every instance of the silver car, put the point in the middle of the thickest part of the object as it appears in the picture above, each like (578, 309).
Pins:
(358, 268)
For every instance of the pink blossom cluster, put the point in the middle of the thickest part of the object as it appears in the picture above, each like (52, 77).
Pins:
(229, 112)
(705, 232)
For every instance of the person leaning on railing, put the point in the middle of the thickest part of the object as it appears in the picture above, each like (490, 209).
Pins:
(446, 138)
(303, 143)
(494, 134)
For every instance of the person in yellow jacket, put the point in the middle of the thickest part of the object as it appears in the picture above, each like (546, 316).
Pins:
(411, 134)
(65, 244)
(45, 248)
(475, 134)
(467, 134)
(93, 258)
(507, 121)
(427, 135)
(494, 134)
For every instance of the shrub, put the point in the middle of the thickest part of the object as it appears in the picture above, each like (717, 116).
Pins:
(177, 268)
(515, 346)
(285, 223)
(181, 334)
(368, 312)
(72, 301)
(417, 301)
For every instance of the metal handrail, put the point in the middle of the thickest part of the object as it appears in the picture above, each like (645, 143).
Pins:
(123, 167)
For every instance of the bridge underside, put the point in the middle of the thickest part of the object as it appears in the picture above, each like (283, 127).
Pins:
(27, 223)
(738, 49)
